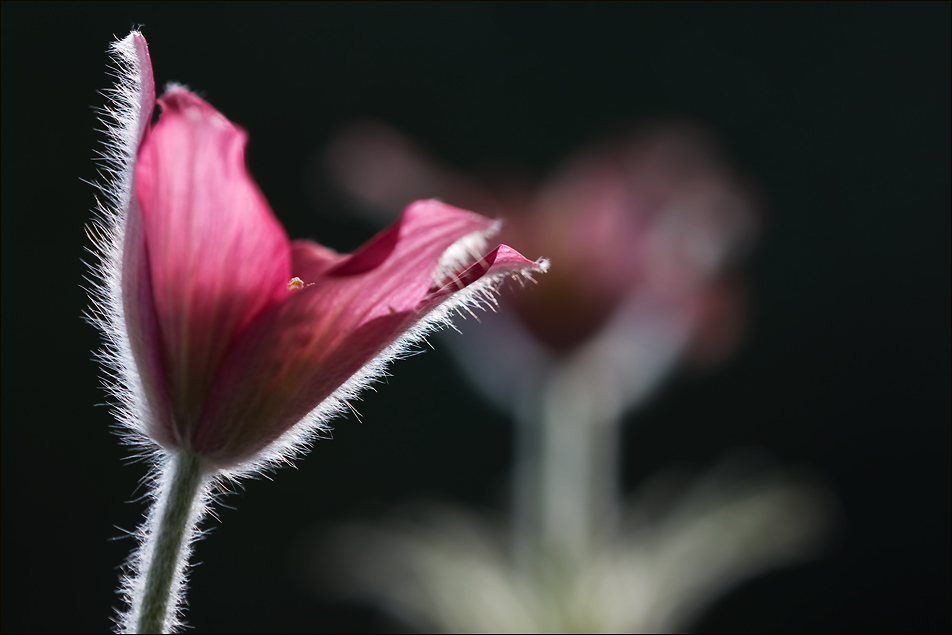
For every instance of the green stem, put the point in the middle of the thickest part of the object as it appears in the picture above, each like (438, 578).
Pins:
(170, 540)
(566, 482)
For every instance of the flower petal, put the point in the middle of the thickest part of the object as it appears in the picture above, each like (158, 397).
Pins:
(300, 352)
(216, 254)
(130, 289)
(134, 47)
(143, 330)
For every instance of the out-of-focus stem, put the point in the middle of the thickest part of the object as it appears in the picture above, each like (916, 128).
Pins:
(566, 487)
(170, 543)
(565, 467)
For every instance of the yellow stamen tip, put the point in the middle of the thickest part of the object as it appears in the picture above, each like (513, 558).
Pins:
(296, 284)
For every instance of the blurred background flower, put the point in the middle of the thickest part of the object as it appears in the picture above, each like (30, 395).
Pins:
(653, 211)
(841, 112)
(646, 230)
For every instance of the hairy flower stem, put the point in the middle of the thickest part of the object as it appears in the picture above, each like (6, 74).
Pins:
(170, 543)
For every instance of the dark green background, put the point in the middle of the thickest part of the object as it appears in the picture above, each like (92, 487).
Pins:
(840, 110)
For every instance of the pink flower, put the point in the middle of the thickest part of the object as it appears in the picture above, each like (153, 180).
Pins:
(650, 219)
(242, 338)
(652, 216)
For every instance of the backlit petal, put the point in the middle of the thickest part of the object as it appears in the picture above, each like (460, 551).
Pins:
(216, 254)
(300, 351)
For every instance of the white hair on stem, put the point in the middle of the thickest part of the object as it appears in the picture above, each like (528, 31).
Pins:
(134, 577)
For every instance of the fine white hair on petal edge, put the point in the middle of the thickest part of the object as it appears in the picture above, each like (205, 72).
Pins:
(480, 294)
(123, 121)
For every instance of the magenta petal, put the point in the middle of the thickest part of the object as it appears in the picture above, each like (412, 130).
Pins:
(309, 260)
(404, 259)
(136, 286)
(500, 261)
(301, 351)
(143, 330)
(216, 254)
(146, 90)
